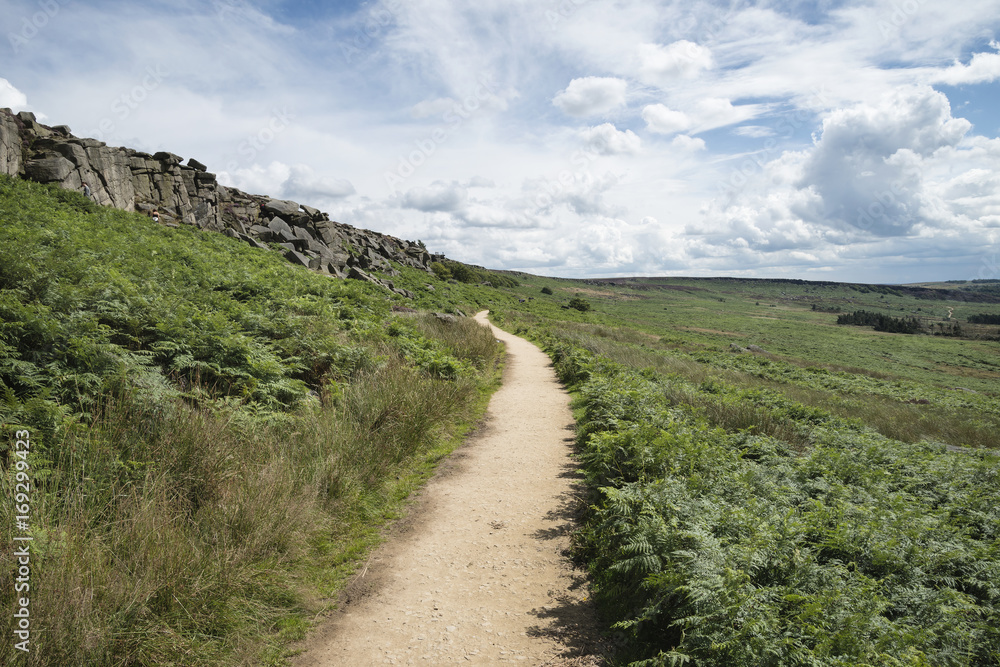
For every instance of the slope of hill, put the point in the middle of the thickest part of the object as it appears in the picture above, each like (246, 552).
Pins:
(203, 437)
(189, 194)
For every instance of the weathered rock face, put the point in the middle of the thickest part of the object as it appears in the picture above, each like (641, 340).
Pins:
(187, 193)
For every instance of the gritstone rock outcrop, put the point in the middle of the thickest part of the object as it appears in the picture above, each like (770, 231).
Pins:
(188, 194)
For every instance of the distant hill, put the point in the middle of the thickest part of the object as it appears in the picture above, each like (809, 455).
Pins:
(975, 291)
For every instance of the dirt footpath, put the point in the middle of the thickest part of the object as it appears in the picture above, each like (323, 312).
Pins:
(478, 574)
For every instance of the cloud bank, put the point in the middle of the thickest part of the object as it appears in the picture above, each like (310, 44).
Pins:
(849, 140)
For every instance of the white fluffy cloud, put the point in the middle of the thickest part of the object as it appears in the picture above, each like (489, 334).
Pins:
(591, 96)
(660, 64)
(436, 197)
(898, 173)
(716, 112)
(705, 114)
(11, 97)
(304, 184)
(683, 142)
(297, 182)
(663, 120)
(982, 68)
(869, 164)
(606, 139)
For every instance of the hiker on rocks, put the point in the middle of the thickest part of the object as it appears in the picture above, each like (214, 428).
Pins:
(86, 191)
(155, 215)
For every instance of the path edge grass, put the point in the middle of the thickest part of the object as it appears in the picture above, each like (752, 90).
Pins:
(330, 575)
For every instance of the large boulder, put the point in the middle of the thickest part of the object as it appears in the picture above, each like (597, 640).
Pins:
(357, 274)
(330, 232)
(168, 158)
(253, 242)
(297, 258)
(54, 168)
(281, 231)
(280, 207)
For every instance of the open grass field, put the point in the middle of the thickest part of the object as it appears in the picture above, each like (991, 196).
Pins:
(779, 317)
(770, 487)
(910, 386)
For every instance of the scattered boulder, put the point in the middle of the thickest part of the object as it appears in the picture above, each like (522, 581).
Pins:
(297, 258)
(253, 242)
(280, 207)
(168, 158)
(357, 274)
(261, 232)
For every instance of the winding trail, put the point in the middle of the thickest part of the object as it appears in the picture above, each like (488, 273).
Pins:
(478, 573)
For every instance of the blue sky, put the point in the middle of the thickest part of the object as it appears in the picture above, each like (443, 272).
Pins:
(831, 140)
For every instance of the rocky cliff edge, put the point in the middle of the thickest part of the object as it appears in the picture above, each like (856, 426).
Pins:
(189, 194)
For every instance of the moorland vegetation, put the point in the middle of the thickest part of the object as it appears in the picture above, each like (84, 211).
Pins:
(218, 436)
(767, 488)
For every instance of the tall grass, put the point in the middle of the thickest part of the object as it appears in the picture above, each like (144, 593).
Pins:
(714, 546)
(464, 339)
(216, 434)
(182, 535)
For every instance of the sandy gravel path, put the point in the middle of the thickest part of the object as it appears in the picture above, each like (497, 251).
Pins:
(478, 574)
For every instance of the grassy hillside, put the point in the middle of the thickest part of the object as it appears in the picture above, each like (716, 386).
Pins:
(825, 497)
(214, 435)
